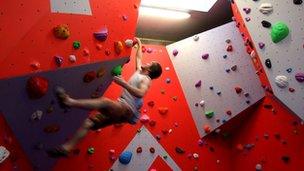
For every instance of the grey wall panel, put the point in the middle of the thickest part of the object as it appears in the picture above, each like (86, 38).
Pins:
(190, 68)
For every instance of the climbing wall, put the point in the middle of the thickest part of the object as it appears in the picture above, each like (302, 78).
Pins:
(144, 160)
(217, 76)
(286, 56)
(172, 130)
(55, 124)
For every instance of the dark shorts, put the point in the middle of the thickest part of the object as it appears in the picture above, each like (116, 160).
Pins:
(119, 114)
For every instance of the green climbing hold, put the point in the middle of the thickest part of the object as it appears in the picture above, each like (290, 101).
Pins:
(209, 114)
(91, 150)
(76, 44)
(117, 70)
(279, 31)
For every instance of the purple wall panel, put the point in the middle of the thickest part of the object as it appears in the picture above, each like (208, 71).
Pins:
(17, 108)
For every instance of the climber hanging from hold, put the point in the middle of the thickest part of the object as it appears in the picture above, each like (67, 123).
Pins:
(124, 110)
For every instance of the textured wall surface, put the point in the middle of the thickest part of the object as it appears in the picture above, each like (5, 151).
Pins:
(286, 56)
(216, 71)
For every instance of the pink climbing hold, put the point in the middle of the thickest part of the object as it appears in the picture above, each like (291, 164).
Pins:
(175, 52)
(149, 50)
(300, 77)
(205, 56)
(144, 119)
(198, 84)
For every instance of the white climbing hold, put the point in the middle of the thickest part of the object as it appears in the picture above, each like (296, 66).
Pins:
(129, 43)
(252, 54)
(281, 81)
(217, 130)
(37, 115)
(196, 38)
(218, 161)
(4, 153)
(167, 68)
(266, 8)
(72, 58)
(202, 103)
(258, 167)
(195, 156)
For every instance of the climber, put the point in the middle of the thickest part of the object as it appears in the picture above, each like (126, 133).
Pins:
(124, 110)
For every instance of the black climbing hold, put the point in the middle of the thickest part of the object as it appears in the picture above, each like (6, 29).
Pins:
(297, 2)
(179, 150)
(286, 159)
(266, 24)
(268, 63)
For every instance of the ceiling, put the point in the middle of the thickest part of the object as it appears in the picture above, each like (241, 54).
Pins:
(164, 31)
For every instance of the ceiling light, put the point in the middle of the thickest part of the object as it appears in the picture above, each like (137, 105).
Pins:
(163, 13)
(195, 5)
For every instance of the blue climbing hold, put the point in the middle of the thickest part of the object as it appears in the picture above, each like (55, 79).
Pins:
(125, 157)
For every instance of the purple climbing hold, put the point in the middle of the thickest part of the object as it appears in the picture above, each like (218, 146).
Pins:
(227, 70)
(219, 93)
(225, 56)
(300, 77)
(58, 60)
(261, 45)
(198, 84)
(247, 19)
(101, 35)
(205, 56)
(175, 52)
(211, 87)
(247, 10)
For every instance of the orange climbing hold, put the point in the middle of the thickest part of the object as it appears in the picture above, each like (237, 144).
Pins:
(118, 47)
(163, 110)
(61, 31)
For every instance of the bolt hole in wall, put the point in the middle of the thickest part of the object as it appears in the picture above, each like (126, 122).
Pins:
(233, 103)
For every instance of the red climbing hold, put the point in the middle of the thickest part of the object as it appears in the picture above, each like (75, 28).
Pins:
(163, 110)
(229, 48)
(37, 87)
(89, 76)
(238, 90)
(228, 112)
(118, 47)
(151, 103)
(152, 123)
(35, 65)
(86, 52)
(52, 128)
(207, 128)
(291, 90)
(152, 150)
(138, 150)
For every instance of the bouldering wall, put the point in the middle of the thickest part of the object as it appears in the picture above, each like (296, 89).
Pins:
(39, 36)
(270, 136)
(176, 142)
(281, 53)
(217, 76)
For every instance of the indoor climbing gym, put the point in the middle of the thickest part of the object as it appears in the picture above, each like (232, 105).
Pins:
(151, 85)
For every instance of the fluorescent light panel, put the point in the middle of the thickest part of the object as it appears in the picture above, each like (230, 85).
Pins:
(185, 5)
(163, 13)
